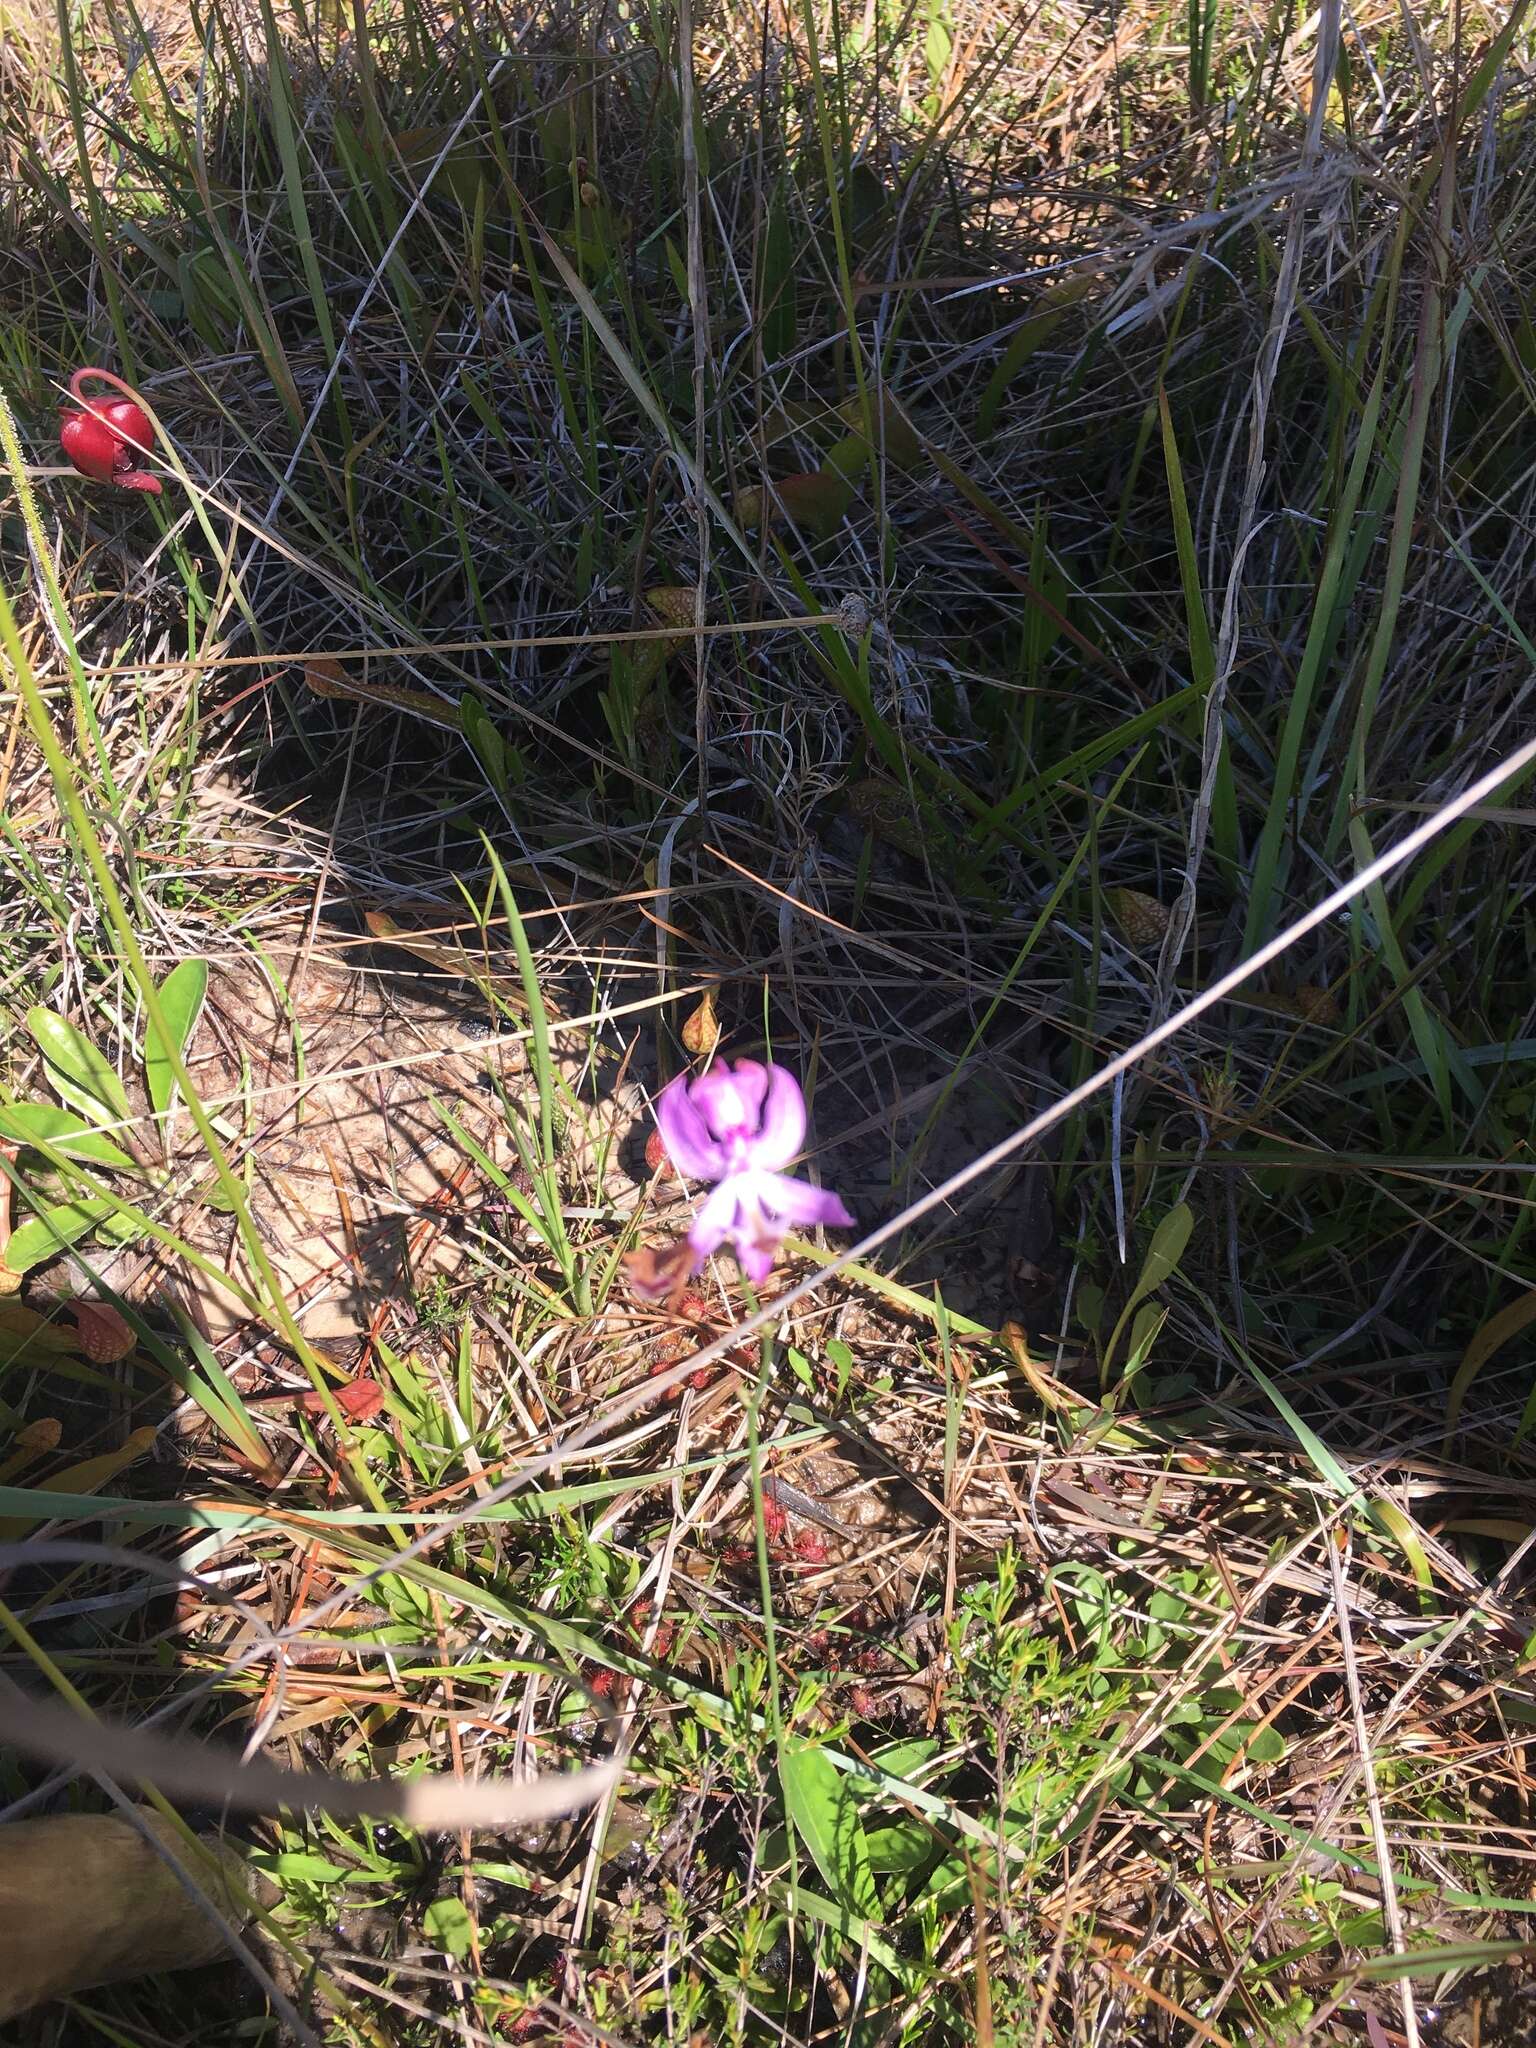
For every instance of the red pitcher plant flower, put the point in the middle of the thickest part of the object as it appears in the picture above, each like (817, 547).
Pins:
(107, 439)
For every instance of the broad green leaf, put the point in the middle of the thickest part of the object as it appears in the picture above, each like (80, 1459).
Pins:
(447, 1925)
(904, 1845)
(1324, 1462)
(907, 1757)
(778, 282)
(82, 1075)
(847, 458)
(1150, 1318)
(182, 994)
(938, 46)
(855, 1934)
(895, 436)
(43, 1124)
(1037, 1818)
(1267, 1746)
(44, 1237)
(301, 1867)
(821, 1803)
(1169, 1242)
(490, 749)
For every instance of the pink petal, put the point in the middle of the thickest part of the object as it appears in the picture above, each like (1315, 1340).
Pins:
(781, 1123)
(756, 1258)
(686, 1136)
(795, 1204)
(730, 1099)
(719, 1219)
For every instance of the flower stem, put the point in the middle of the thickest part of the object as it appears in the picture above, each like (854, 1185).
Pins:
(754, 1406)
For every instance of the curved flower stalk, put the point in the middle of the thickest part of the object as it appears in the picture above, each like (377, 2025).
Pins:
(107, 439)
(739, 1127)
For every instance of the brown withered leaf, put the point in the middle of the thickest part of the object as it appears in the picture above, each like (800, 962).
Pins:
(672, 603)
(358, 1400)
(326, 677)
(89, 1476)
(32, 1441)
(660, 1272)
(1308, 1004)
(817, 499)
(22, 1326)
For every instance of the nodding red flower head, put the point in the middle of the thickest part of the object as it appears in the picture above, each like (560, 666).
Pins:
(107, 439)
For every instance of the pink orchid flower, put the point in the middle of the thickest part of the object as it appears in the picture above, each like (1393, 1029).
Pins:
(740, 1126)
(107, 440)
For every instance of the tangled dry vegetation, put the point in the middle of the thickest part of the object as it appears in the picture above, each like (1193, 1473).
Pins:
(915, 541)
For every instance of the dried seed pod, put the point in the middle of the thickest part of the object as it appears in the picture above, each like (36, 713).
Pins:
(887, 812)
(1317, 1005)
(1141, 917)
(701, 1030)
(659, 1272)
(104, 1336)
(673, 603)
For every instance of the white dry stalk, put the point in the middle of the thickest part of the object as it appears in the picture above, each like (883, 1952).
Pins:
(435, 1803)
(1391, 1911)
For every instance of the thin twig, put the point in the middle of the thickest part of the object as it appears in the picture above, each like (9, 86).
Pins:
(1391, 1911)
